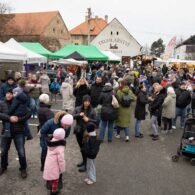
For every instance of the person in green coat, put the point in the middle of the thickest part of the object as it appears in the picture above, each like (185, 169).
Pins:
(124, 112)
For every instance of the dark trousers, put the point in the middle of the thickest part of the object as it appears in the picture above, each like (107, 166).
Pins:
(79, 137)
(167, 123)
(19, 141)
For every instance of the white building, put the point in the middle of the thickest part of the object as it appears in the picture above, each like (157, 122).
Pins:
(186, 49)
(115, 38)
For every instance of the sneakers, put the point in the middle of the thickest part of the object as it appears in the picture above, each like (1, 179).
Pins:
(82, 169)
(164, 132)
(117, 136)
(139, 136)
(2, 170)
(173, 127)
(23, 174)
(35, 116)
(89, 182)
(156, 137)
(127, 138)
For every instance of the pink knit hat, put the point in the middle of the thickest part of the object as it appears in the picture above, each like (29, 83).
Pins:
(58, 134)
(67, 119)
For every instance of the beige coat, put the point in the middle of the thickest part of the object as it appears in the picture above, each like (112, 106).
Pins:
(45, 81)
(169, 106)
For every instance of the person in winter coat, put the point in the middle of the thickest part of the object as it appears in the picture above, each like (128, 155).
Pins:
(91, 148)
(81, 89)
(96, 89)
(83, 115)
(168, 111)
(156, 109)
(193, 100)
(54, 88)
(44, 114)
(164, 69)
(108, 112)
(183, 99)
(67, 96)
(44, 80)
(17, 134)
(34, 92)
(124, 113)
(60, 120)
(9, 84)
(140, 109)
(55, 162)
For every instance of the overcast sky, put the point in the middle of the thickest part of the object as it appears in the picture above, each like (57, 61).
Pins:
(146, 20)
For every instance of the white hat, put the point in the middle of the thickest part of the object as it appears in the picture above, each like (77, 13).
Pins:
(44, 98)
(170, 90)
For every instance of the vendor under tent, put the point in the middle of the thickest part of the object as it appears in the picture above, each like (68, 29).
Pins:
(32, 57)
(39, 49)
(111, 56)
(91, 53)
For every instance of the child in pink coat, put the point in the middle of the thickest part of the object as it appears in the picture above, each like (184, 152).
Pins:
(55, 163)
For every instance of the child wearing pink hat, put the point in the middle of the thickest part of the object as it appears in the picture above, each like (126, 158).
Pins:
(55, 163)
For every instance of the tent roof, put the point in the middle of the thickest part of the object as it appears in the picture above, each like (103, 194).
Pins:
(69, 61)
(76, 56)
(32, 57)
(89, 52)
(111, 56)
(38, 48)
(8, 54)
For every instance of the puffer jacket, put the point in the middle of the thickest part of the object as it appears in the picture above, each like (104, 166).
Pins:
(183, 98)
(15, 128)
(96, 90)
(108, 112)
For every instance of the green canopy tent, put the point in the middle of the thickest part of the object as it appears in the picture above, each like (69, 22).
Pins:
(91, 53)
(38, 48)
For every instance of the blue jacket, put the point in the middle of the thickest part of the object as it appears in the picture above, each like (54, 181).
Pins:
(48, 128)
(4, 88)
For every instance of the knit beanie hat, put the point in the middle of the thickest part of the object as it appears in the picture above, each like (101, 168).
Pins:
(170, 90)
(44, 98)
(17, 90)
(86, 98)
(67, 119)
(90, 127)
(58, 134)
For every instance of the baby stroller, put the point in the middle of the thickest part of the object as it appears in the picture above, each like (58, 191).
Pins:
(187, 145)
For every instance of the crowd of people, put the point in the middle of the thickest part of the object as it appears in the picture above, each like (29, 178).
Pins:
(100, 100)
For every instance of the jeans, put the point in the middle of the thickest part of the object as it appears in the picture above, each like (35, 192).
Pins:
(103, 125)
(91, 171)
(154, 124)
(137, 127)
(19, 141)
(180, 112)
(34, 106)
(7, 132)
(126, 130)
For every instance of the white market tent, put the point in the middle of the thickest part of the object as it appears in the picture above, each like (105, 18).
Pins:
(32, 57)
(111, 56)
(69, 61)
(10, 55)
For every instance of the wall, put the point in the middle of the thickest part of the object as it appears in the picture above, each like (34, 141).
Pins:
(180, 53)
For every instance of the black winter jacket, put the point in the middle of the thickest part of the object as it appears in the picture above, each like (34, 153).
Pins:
(15, 127)
(44, 113)
(90, 113)
(79, 93)
(108, 112)
(140, 109)
(96, 90)
(183, 98)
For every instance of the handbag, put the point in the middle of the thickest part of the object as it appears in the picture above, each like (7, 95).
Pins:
(115, 103)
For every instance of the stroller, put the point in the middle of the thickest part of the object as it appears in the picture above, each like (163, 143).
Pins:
(187, 145)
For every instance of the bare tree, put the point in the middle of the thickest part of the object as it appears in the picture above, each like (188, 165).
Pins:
(5, 8)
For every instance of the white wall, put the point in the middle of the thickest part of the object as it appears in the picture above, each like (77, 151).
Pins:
(180, 52)
(114, 37)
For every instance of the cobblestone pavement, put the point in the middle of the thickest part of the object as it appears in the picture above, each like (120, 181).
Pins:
(140, 167)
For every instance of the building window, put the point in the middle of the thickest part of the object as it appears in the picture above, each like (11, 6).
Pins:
(117, 33)
(54, 30)
(58, 21)
(111, 32)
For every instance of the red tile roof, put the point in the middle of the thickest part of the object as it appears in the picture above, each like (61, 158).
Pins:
(29, 23)
(97, 24)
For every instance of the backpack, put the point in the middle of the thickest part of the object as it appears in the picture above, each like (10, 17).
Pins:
(126, 100)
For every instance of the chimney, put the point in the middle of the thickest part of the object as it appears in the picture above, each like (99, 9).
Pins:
(106, 18)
